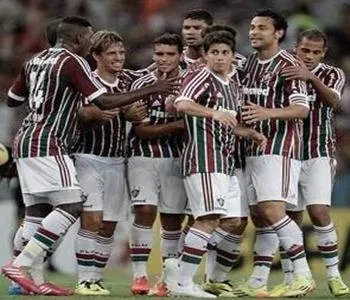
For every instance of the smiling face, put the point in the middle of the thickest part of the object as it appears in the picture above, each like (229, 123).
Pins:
(219, 58)
(166, 57)
(311, 52)
(112, 59)
(262, 33)
(192, 32)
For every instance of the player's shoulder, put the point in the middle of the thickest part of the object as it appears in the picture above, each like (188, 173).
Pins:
(327, 68)
(288, 58)
(197, 75)
(144, 80)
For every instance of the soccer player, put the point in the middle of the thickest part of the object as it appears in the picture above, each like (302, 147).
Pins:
(99, 161)
(272, 106)
(155, 146)
(193, 25)
(209, 101)
(53, 82)
(325, 85)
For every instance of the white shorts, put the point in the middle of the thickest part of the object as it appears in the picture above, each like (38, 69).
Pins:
(272, 178)
(157, 181)
(102, 180)
(315, 182)
(241, 177)
(207, 193)
(48, 179)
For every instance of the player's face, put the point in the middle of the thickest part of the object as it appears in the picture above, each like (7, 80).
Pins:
(311, 52)
(262, 33)
(112, 60)
(166, 57)
(192, 31)
(85, 42)
(219, 58)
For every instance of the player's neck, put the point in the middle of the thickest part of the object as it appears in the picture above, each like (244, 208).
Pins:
(69, 47)
(171, 74)
(107, 76)
(193, 52)
(266, 54)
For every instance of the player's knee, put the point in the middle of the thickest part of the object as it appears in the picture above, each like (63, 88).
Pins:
(145, 214)
(207, 223)
(91, 221)
(256, 217)
(319, 215)
(107, 229)
(230, 224)
(171, 222)
(39, 210)
(74, 209)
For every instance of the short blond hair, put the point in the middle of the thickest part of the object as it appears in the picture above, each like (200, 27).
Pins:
(103, 39)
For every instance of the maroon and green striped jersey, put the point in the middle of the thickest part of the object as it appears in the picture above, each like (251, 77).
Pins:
(108, 139)
(318, 133)
(54, 83)
(167, 146)
(208, 144)
(264, 85)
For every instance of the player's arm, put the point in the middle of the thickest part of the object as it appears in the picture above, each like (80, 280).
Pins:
(189, 107)
(248, 132)
(79, 73)
(18, 93)
(145, 130)
(329, 91)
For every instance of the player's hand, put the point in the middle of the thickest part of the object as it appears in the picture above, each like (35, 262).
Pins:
(258, 138)
(253, 113)
(168, 85)
(136, 112)
(180, 124)
(225, 117)
(299, 72)
(110, 114)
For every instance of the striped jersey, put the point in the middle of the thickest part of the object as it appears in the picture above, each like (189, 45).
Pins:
(208, 144)
(108, 139)
(54, 83)
(159, 147)
(264, 85)
(318, 133)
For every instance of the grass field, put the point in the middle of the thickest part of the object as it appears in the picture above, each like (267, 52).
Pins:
(119, 286)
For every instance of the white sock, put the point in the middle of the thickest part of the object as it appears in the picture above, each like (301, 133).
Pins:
(195, 247)
(327, 242)
(291, 239)
(169, 241)
(103, 251)
(85, 244)
(140, 248)
(266, 244)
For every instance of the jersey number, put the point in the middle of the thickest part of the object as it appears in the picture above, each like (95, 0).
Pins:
(36, 94)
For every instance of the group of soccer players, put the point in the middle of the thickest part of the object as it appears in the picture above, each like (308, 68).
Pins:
(214, 136)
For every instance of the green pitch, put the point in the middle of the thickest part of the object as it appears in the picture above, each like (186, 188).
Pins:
(119, 282)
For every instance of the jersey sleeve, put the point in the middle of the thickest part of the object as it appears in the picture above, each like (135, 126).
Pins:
(335, 80)
(19, 91)
(80, 76)
(193, 86)
(296, 92)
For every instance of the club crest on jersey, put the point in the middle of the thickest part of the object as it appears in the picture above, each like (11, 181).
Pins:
(135, 191)
(266, 77)
(220, 201)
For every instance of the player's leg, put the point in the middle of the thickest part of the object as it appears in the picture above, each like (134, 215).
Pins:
(318, 201)
(224, 244)
(115, 209)
(89, 172)
(144, 200)
(272, 200)
(55, 179)
(172, 205)
(206, 193)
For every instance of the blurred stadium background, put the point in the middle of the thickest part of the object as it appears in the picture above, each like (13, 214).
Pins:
(22, 24)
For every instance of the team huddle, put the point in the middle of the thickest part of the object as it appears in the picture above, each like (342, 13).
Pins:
(203, 132)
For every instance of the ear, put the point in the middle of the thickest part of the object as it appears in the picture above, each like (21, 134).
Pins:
(95, 56)
(279, 33)
(324, 52)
